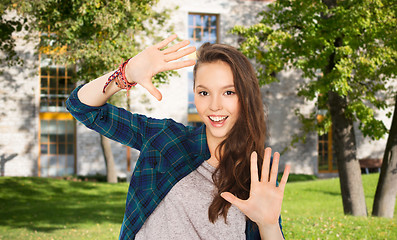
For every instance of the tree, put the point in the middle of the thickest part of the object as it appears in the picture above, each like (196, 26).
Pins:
(346, 50)
(8, 26)
(386, 191)
(94, 36)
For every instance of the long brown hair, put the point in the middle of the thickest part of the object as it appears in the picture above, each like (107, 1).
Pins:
(247, 135)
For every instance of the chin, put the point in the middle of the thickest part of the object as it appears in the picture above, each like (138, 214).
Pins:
(218, 134)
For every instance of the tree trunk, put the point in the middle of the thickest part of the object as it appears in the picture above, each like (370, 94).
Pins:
(344, 145)
(111, 174)
(386, 191)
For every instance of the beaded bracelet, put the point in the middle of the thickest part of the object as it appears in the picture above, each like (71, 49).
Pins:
(120, 78)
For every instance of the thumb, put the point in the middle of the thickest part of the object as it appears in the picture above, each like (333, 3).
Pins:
(153, 91)
(232, 199)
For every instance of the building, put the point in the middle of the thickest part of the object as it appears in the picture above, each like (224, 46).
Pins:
(38, 137)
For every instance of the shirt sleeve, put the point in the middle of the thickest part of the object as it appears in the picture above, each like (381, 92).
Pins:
(115, 123)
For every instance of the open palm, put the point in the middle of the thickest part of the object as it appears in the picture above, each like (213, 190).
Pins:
(264, 203)
(152, 60)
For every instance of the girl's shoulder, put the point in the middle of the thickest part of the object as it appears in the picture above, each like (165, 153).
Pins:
(165, 124)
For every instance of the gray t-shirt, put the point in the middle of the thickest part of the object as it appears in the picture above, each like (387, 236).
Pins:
(183, 213)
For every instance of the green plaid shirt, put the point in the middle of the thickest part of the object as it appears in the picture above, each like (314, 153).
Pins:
(169, 151)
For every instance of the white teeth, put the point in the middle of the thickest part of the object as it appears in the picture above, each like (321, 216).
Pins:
(217, 119)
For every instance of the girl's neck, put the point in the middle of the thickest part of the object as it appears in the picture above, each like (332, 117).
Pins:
(213, 161)
(212, 146)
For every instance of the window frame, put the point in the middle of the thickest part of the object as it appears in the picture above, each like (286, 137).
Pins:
(330, 156)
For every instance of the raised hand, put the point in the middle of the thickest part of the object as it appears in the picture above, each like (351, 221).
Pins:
(264, 203)
(152, 60)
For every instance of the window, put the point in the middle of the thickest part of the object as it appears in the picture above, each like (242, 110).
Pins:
(56, 85)
(57, 154)
(326, 159)
(57, 145)
(202, 28)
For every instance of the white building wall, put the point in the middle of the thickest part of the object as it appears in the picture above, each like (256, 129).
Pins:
(19, 122)
(90, 159)
(281, 100)
(374, 149)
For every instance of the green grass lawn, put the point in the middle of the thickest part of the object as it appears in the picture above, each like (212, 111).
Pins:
(40, 208)
(313, 210)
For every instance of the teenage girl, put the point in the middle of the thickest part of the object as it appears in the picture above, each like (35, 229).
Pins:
(192, 183)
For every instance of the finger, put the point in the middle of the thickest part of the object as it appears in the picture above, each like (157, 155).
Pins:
(179, 54)
(179, 64)
(166, 41)
(274, 170)
(176, 47)
(265, 165)
(284, 178)
(233, 200)
(254, 168)
(153, 91)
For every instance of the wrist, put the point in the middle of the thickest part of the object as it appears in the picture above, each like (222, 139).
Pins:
(268, 226)
(119, 78)
(270, 231)
(129, 73)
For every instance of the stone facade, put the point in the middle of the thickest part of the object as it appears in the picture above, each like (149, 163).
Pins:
(19, 121)
(281, 101)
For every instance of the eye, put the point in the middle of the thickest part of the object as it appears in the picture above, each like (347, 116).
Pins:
(230, 93)
(203, 93)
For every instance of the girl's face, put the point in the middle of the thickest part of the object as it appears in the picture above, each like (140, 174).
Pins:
(216, 99)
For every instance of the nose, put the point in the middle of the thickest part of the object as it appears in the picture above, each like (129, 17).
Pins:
(216, 103)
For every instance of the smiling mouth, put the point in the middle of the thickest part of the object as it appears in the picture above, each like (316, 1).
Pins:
(217, 119)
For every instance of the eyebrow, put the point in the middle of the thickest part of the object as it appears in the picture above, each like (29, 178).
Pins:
(227, 86)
